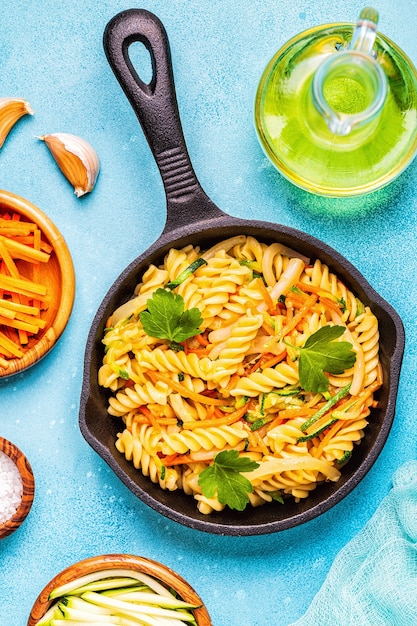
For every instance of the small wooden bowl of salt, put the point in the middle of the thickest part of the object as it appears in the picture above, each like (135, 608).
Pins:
(17, 487)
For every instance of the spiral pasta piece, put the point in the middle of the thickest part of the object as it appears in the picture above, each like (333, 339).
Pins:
(272, 467)
(152, 278)
(176, 261)
(203, 439)
(237, 345)
(133, 397)
(175, 362)
(344, 440)
(217, 281)
(148, 463)
(266, 381)
(191, 294)
(285, 434)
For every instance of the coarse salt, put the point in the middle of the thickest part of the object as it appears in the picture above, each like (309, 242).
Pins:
(11, 488)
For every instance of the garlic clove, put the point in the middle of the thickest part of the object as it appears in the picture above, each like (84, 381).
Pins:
(11, 110)
(76, 159)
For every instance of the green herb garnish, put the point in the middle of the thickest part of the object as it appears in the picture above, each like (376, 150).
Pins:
(321, 353)
(224, 478)
(165, 317)
(277, 496)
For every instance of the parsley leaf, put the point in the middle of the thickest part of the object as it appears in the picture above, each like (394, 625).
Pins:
(165, 317)
(224, 478)
(320, 354)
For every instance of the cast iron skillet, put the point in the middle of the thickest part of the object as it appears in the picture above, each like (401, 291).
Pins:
(193, 218)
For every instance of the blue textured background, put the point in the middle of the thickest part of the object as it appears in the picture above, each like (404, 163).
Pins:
(51, 54)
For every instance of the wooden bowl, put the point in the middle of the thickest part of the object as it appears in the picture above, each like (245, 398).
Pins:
(121, 561)
(28, 482)
(58, 277)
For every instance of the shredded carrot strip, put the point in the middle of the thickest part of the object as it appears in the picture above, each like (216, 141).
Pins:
(276, 359)
(147, 417)
(143, 416)
(297, 301)
(200, 352)
(268, 329)
(29, 241)
(142, 419)
(27, 251)
(221, 421)
(234, 379)
(18, 299)
(7, 313)
(327, 437)
(13, 228)
(8, 261)
(267, 360)
(202, 339)
(21, 298)
(183, 391)
(275, 422)
(170, 458)
(154, 421)
(309, 288)
(252, 368)
(31, 319)
(22, 285)
(266, 296)
(297, 317)
(330, 304)
(15, 323)
(182, 459)
(144, 410)
(179, 459)
(19, 307)
(167, 421)
(257, 442)
(10, 345)
(150, 418)
(287, 414)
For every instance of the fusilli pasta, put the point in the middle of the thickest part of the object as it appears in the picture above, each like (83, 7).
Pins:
(236, 385)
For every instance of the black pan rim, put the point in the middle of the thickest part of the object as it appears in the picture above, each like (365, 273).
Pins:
(271, 230)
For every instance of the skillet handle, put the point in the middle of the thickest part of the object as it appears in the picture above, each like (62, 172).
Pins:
(156, 107)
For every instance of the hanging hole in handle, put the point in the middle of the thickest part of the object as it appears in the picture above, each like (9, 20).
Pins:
(138, 54)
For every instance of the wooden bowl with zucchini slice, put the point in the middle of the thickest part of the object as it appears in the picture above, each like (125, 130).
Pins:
(119, 586)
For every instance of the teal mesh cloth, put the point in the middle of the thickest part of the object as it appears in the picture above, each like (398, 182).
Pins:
(373, 580)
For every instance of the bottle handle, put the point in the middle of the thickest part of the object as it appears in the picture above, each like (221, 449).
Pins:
(364, 35)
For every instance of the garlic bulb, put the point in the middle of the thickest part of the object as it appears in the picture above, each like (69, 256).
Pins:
(11, 110)
(76, 159)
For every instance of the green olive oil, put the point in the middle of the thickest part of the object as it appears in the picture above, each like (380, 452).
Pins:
(297, 138)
